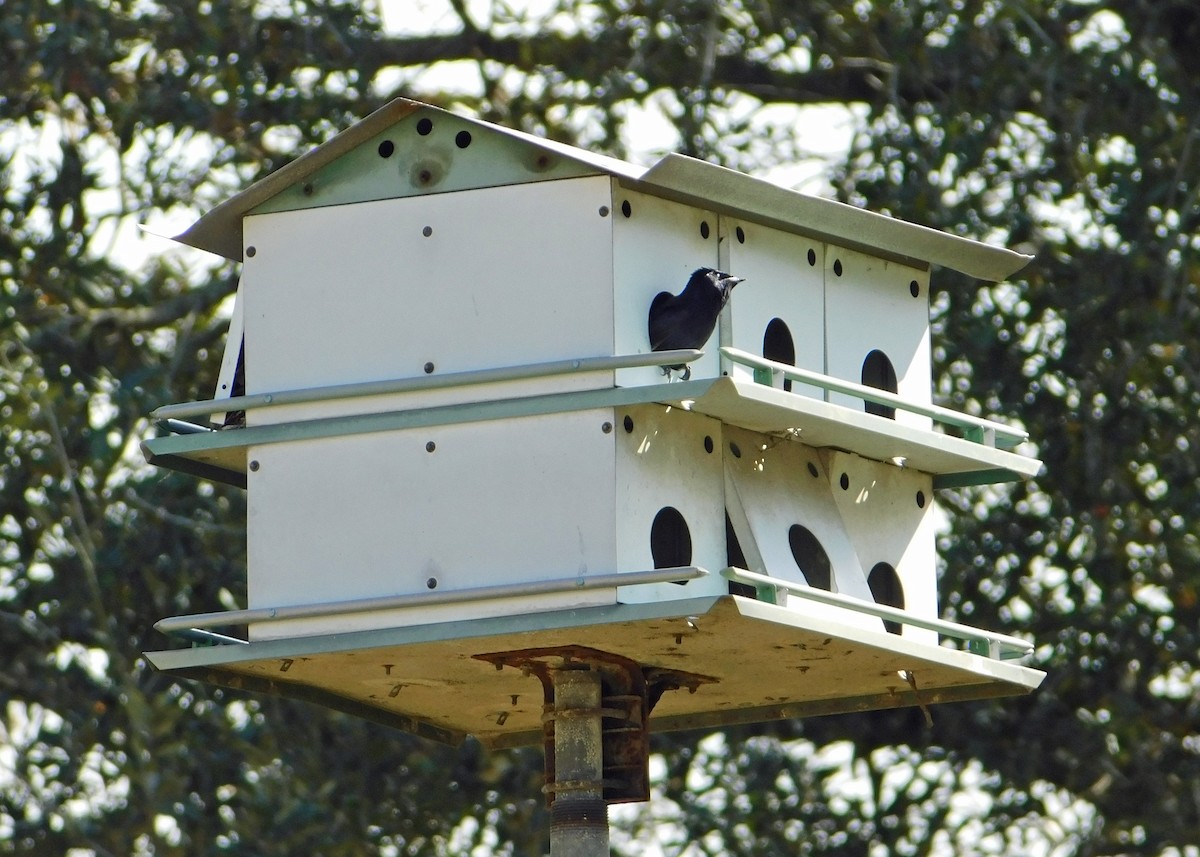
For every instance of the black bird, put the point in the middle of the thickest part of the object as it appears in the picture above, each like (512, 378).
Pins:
(686, 320)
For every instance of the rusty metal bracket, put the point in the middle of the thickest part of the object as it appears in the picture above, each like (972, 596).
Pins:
(629, 692)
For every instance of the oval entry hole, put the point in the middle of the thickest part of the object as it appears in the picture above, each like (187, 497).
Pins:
(779, 346)
(886, 589)
(810, 558)
(670, 540)
(878, 372)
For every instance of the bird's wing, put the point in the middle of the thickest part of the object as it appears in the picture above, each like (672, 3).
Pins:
(659, 326)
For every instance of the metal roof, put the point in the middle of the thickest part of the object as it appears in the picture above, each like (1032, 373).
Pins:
(674, 177)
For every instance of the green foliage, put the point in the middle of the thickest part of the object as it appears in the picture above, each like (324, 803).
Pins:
(1066, 129)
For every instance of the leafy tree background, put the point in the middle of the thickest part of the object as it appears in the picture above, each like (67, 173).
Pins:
(1067, 129)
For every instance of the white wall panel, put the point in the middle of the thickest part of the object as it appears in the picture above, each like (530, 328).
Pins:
(774, 485)
(869, 305)
(657, 244)
(488, 278)
(888, 514)
(784, 280)
(463, 506)
(668, 458)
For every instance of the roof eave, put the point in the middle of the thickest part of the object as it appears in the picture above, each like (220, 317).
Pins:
(700, 183)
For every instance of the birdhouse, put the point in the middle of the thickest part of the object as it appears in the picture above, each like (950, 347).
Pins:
(462, 451)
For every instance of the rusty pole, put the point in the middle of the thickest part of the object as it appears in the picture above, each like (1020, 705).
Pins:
(579, 814)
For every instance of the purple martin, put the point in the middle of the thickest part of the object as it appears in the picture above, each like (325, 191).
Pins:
(686, 320)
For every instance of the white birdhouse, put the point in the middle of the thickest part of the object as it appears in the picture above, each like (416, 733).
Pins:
(444, 405)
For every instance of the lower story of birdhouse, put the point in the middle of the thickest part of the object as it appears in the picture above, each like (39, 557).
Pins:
(547, 512)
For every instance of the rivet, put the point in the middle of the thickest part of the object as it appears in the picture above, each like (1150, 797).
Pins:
(387, 669)
(429, 368)
(254, 466)
(431, 583)
(430, 447)
(515, 696)
(606, 428)
(604, 211)
(268, 398)
(308, 188)
(251, 251)
(427, 231)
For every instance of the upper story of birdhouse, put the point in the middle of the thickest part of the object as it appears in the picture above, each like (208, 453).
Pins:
(433, 259)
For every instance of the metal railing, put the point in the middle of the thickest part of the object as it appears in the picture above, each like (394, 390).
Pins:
(196, 624)
(497, 375)
(978, 429)
(980, 642)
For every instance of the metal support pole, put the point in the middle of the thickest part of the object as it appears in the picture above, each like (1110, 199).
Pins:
(579, 814)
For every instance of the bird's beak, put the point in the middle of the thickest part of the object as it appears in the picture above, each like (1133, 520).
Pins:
(728, 283)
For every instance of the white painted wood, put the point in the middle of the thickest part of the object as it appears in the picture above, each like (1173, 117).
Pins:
(655, 248)
(470, 280)
(870, 306)
(380, 514)
(883, 516)
(233, 350)
(662, 461)
(780, 284)
(770, 488)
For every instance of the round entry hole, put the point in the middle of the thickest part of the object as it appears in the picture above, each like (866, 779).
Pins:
(462, 139)
(778, 345)
(424, 126)
(386, 149)
(670, 539)
(886, 589)
(878, 372)
(810, 557)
